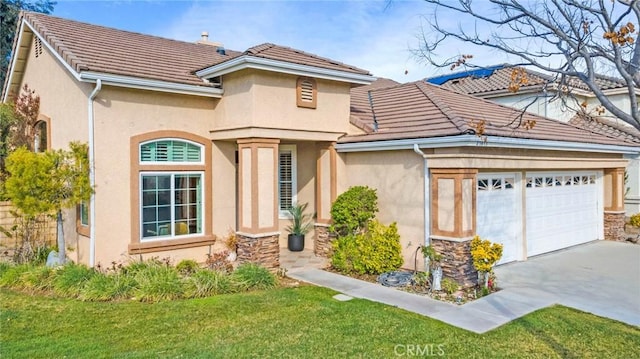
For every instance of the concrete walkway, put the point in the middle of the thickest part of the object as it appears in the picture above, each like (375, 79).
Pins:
(600, 277)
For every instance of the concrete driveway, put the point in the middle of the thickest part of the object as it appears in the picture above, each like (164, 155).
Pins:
(600, 277)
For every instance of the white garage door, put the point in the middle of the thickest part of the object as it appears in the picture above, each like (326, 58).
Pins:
(499, 212)
(562, 210)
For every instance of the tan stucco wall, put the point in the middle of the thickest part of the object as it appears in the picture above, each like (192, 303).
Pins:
(398, 177)
(122, 113)
(64, 101)
(267, 101)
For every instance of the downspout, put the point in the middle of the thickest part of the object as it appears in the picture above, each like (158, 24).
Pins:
(92, 176)
(427, 201)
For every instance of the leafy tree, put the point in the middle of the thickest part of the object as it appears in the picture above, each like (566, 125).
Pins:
(570, 39)
(49, 182)
(9, 15)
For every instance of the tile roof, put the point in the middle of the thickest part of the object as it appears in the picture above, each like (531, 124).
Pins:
(87, 47)
(475, 82)
(422, 110)
(606, 127)
(283, 53)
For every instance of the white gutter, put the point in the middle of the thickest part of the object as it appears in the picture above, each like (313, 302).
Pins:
(92, 176)
(251, 62)
(153, 85)
(427, 201)
(489, 141)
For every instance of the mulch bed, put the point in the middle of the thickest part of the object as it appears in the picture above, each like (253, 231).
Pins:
(460, 296)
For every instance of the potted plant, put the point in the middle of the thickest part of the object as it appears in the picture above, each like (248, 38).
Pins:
(300, 224)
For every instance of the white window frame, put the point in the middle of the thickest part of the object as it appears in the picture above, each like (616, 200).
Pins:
(172, 235)
(284, 214)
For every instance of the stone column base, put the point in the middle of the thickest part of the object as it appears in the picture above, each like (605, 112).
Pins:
(323, 243)
(263, 249)
(614, 226)
(457, 262)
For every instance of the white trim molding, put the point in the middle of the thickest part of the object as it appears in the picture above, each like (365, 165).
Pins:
(489, 141)
(251, 62)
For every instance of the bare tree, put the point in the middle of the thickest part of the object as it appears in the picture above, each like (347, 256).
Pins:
(569, 39)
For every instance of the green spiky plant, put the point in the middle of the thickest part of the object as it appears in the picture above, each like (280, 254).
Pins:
(301, 222)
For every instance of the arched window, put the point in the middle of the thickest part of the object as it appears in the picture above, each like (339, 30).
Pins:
(171, 201)
(41, 135)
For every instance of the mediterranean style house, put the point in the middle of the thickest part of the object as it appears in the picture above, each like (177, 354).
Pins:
(189, 141)
(539, 95)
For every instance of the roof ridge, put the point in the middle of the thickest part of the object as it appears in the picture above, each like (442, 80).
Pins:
(455, 119)
(37, 14)
(269, 45)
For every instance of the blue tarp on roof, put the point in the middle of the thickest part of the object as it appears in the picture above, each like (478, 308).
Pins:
(483, 72)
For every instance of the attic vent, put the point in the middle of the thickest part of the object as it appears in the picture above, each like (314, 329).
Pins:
(306, 92)
(215, 81)
(37, 47)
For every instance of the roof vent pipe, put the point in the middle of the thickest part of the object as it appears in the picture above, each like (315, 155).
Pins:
(220, 50)
(205, 36)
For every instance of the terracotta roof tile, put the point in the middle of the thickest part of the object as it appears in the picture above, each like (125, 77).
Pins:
(422, 110)
(283, 53)
(606, 127)
(87, 47)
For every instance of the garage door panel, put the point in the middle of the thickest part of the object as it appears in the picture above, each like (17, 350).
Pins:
(561, 210)
(497, 214)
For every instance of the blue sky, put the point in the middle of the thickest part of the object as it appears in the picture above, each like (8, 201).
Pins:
(374, 35)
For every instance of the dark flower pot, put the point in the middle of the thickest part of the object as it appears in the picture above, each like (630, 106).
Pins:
(296, 242)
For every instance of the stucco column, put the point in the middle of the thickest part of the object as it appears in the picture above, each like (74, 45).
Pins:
(258, 202)
(453, 224)
(326, 192)
(614, 204)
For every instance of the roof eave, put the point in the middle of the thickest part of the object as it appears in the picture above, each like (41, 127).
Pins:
(153, 85)
(475, 141)
(123, 81)
(252, 62)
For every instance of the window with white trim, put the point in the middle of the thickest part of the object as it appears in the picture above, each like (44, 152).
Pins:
(172, 202)
(287, 173)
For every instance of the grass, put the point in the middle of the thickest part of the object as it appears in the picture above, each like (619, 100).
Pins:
(287, 322)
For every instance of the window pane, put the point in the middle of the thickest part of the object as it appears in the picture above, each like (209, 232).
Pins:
(285, 170)
(170, 151)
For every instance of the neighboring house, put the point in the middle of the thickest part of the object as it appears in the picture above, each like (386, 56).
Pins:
(189, 140)
(539, 95)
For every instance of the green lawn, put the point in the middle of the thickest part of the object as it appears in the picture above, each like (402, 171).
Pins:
(293, 322)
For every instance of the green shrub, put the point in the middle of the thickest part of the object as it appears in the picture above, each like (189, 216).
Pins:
(635, 220)
(12, 276)
(37, 278)
(254, 276)
(449, 285)
(375, 251)
(105, 287)
(69, 279)
(187, 267)
(4, 266)
(205, 283)
(157, 282)
(353, 209)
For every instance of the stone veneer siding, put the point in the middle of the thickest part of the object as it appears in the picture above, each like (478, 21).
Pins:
(323, 243)
(456, 263)
(261, 250)
(614, 226)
